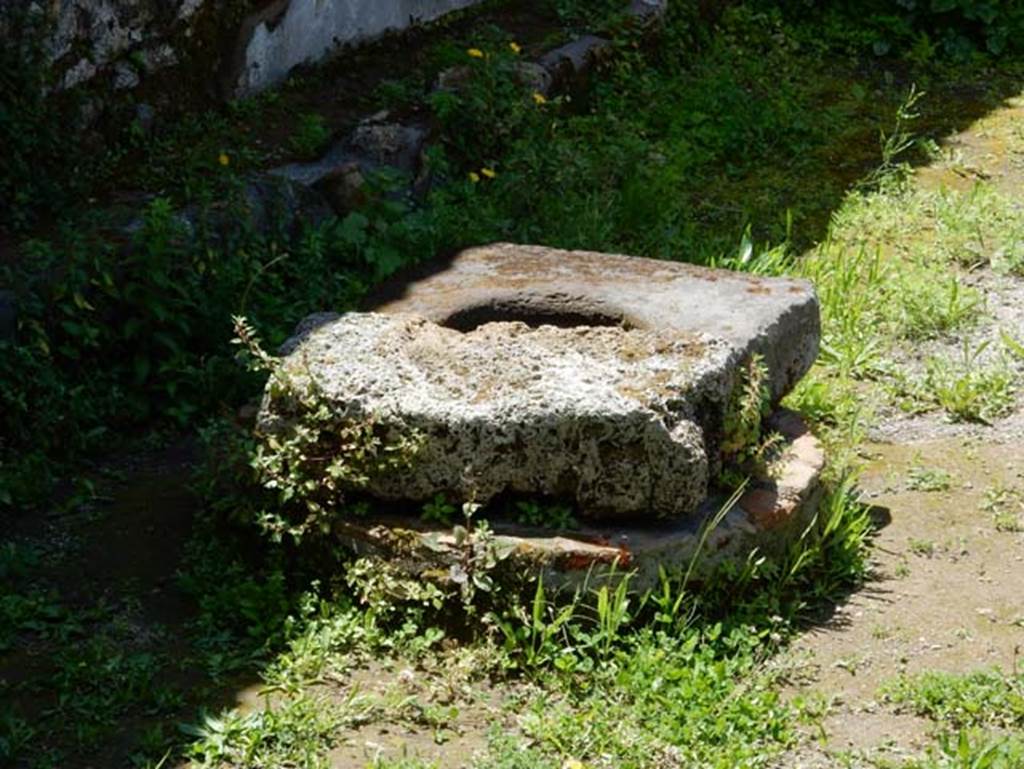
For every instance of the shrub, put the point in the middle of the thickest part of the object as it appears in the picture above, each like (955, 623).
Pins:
(36, 133)
(920, 28)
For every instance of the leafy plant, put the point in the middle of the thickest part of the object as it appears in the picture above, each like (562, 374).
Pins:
(988, 697)
(1006, 505)
(491, 102)
(531, 513)
(311, 456)
(438, 510)
(957, 28)
(37, 132)
(968, 391)
(310, 135)
(922, 478)
(974, 750)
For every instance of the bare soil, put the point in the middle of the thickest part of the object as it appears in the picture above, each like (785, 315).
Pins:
(947, 588)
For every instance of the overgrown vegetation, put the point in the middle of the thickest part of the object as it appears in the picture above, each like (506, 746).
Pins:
(309, 458)
(122, 329)
(923, 30)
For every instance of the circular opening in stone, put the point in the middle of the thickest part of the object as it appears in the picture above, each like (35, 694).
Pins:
(535, 312)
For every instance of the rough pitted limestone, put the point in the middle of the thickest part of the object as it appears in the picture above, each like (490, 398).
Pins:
(775, 317)
(775, 511)
(612, 418)
(128, 38)
(597, 378)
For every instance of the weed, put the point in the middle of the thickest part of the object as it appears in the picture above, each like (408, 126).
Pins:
(38, 175)
(972, 749)
(745, 447)
(892, 172)
(968, 391)
(438, 510)
(983, 698)
(309, 456)
(1006, 505)
(291, 732)
(551, 516)
(920, 478)
(931, 308)
(310, 135)
(922, 547)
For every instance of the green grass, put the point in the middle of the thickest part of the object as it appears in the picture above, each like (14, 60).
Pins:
(987, 698)
(1006, 506)
(979, 716)
(973, 750)
(921, 478)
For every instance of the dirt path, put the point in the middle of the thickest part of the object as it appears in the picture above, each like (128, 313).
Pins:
(947, 585)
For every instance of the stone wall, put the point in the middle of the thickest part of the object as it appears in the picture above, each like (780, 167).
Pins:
(293, 32)
(119, 39)
(119, 42)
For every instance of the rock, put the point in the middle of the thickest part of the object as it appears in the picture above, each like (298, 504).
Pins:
(145, 118)
(570, 64)
(283, 34)
(775, 317)
(374, 144)
(606, 416)
(272, 202)
(81, 72)
(597, 378)
(344, 188)
(384, 143)
(8, 315)
(532, 76)
(599, 551)
(105, 31)
(453, 78)
(125, 76)
(647, 13)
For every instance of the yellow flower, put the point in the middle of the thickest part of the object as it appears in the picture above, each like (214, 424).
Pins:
(573, 763)
(539, 98)
(475, 53)
(516, 48)
(224, 160)
(474, 177)
(490, 173)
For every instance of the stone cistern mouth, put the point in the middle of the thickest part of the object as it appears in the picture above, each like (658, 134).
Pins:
(536, 311)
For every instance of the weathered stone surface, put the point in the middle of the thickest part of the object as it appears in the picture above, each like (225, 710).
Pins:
(775, 317)
(89, 37)
(608, 417)
(599, 378)
(570, 64)
(288, 33)
(775, 511)
(92, 38)
(375, 143)
(647, 12)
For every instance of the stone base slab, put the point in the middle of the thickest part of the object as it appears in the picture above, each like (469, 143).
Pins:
(770, 515)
